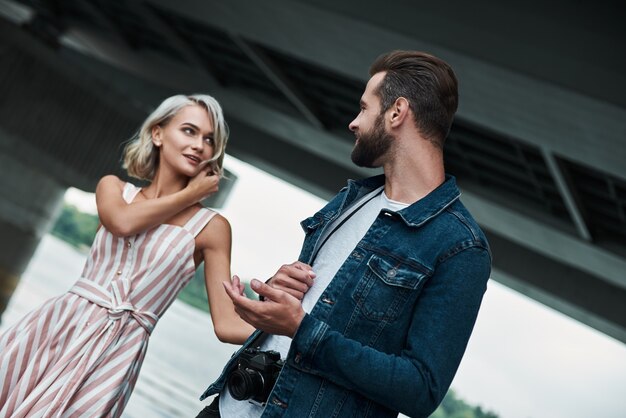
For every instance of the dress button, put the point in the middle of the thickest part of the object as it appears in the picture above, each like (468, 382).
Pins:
(119, 272)
(128, 244)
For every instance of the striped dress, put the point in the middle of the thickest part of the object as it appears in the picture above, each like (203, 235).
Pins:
(79, 354)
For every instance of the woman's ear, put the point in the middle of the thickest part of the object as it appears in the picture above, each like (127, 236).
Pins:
(156, 136)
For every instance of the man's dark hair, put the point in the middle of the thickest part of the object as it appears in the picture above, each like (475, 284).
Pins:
(427, 83)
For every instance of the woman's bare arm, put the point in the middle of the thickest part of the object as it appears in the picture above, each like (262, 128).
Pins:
(123, 219)
(215, 243)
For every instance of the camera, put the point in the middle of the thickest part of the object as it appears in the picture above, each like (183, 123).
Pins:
(255, 375)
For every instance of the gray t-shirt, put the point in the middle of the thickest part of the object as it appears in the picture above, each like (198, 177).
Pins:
(328, 261)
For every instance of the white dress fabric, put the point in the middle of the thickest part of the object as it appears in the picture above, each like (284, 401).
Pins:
(79, 354)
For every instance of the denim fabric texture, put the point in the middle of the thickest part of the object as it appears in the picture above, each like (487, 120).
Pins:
(388, 333)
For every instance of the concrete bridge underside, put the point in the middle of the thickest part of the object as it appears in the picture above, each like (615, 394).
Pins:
(538, 146)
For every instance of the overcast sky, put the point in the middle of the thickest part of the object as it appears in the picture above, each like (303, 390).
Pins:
(523, 361)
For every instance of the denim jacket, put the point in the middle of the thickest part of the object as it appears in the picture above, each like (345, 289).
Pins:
(388, 333)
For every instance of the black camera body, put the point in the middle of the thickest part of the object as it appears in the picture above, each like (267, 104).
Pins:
(256, 373)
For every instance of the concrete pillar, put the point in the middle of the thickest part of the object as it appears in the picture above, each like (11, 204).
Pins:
(29, 201)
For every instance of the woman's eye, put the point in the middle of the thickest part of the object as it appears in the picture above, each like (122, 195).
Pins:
(188, 131)
(209, 140)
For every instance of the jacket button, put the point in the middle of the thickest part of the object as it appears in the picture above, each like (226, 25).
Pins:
(356, 255)
(392, 273)
(278, 402)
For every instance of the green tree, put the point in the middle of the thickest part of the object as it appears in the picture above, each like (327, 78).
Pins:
(75, 227)
(195, 292)
(79, 229)
(453, 407)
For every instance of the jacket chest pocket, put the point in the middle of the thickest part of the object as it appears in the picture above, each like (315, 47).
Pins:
(387, 284)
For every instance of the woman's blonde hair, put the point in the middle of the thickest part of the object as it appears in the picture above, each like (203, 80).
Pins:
(141, 156)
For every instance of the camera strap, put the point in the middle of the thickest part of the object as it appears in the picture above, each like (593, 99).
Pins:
(338, 223)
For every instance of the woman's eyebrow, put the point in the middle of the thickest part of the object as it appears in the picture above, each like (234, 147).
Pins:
(190, 124)
(211, 133)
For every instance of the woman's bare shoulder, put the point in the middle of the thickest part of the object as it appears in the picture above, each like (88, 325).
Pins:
(216, 234)
(110, 181)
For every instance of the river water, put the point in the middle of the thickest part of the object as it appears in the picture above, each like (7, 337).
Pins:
(183, 357)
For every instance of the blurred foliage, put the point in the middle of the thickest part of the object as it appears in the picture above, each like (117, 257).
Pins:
(75, 227)
(79, 229)
(195, 292)
(453, 407)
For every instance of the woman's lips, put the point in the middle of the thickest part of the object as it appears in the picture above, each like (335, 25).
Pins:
(192, 159)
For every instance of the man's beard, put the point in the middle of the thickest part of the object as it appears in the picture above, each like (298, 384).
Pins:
(372, 145)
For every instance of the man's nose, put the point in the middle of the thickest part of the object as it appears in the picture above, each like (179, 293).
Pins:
(353, 125)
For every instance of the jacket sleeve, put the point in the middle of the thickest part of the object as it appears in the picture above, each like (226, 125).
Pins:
(415, 381)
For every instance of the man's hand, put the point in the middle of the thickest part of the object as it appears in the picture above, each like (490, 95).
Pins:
(295, 279)
(280, 313)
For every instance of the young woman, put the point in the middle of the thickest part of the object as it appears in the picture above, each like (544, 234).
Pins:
(79, 354)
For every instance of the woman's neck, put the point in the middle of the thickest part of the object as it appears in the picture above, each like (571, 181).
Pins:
(164, 184)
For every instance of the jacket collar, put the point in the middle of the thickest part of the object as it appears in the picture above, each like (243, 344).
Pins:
(424, 209)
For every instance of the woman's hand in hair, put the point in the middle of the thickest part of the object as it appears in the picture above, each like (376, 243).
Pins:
(204, 184)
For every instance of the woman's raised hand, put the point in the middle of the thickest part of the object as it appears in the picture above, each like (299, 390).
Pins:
(204, 184)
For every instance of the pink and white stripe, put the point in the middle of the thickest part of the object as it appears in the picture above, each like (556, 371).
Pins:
(79, 354)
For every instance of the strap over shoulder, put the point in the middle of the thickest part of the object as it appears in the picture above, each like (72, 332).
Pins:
(199, 221)
(129, 192)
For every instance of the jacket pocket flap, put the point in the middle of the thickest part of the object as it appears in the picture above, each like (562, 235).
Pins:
(396, 273)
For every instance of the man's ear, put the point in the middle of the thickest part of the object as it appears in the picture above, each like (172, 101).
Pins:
(399, 111)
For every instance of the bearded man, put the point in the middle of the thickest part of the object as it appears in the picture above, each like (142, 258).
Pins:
(400, 268)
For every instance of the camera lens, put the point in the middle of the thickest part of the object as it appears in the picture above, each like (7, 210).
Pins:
(245, 384)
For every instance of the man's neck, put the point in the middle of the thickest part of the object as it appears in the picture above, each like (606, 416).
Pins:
(413, 174)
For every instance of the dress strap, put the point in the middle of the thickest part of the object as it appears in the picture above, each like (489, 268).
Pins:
(129, 192)
(199, 221)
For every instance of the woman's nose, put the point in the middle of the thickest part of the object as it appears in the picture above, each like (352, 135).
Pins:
(198, 143)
